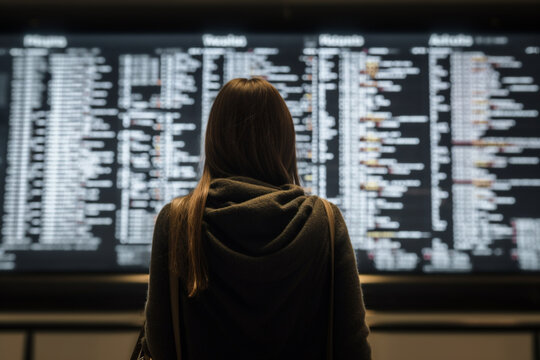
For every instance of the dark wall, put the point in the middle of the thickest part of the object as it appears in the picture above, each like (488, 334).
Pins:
(361, 16)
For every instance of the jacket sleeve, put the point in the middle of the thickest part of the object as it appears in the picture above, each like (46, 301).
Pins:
(350, 328)
(158, 329)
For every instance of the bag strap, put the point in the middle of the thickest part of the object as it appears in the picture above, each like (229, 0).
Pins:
(332, 226)
(175, 312)
(138, 352)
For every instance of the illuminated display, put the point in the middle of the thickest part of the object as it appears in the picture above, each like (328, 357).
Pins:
(428, 143)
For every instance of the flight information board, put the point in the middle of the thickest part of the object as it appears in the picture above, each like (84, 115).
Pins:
(428, 143)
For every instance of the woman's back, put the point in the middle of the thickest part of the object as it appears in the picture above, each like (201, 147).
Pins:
(250, 249)
(268, 258)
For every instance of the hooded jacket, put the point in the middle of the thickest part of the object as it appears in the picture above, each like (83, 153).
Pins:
(268, 257)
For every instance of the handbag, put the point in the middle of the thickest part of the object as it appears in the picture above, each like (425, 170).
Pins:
(332, 227)
(140, 351)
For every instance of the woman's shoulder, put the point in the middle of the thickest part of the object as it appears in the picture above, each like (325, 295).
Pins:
(165, 210)
(163, 215)
(339, 220)
(318, 199)
(169, 208)
(162, 220)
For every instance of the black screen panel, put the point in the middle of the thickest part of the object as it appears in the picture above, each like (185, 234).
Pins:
(428, 143)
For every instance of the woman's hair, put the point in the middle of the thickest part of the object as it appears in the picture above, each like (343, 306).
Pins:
(250, 133)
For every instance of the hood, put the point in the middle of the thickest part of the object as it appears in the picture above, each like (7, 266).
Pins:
(258, 232)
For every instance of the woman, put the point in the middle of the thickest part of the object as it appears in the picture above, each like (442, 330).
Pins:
(251, 249)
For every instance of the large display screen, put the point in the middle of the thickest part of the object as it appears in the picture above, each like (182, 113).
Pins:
(428, 143)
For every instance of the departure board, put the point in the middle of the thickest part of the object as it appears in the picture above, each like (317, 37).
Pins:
(429, 143)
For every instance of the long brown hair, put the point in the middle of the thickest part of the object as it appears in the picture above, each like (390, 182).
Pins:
(250, 133)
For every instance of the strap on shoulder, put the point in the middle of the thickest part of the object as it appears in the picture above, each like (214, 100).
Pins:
(332, 227)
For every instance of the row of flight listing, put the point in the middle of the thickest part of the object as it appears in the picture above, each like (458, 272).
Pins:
(428, 143)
